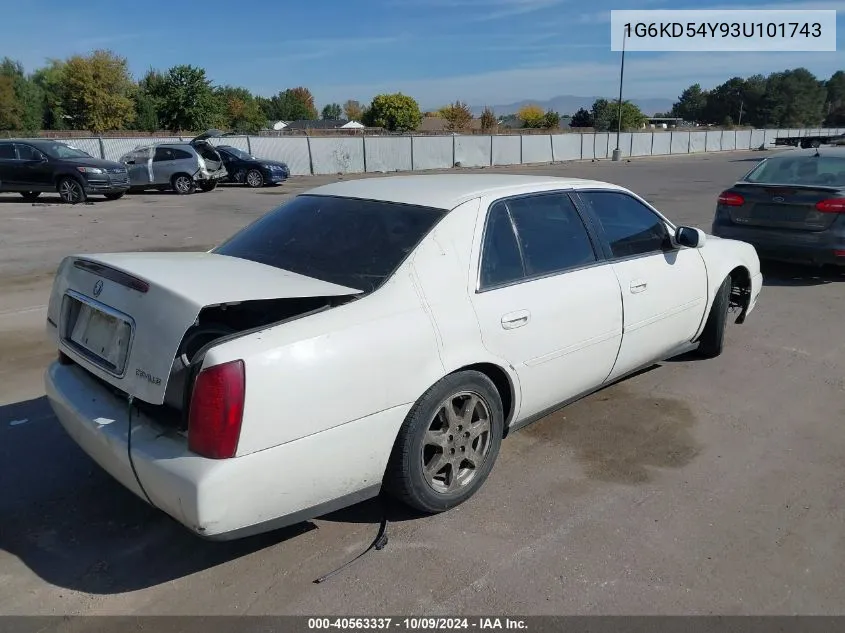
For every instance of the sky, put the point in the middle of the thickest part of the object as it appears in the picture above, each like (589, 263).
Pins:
(483, 52)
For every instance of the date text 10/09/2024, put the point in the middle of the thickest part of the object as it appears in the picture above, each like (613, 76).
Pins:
(417, 624)
(723, 29)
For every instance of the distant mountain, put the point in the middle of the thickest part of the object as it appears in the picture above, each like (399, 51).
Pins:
(569, 104)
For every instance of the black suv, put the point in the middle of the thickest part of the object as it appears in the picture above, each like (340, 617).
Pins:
(32, 167)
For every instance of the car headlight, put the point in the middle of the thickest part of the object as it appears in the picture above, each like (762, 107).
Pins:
(91, 170)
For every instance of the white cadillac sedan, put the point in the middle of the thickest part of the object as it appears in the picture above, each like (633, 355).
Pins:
(382, 333)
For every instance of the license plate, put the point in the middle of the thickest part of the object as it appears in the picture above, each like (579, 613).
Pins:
(103, 335)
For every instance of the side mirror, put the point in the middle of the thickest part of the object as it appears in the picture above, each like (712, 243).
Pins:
(690, 237)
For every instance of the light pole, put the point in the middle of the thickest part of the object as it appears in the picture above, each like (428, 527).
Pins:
(617, 153)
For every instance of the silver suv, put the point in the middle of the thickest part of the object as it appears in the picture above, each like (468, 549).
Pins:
(179, 166)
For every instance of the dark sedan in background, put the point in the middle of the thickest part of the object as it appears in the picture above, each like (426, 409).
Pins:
(32, 167)
(790, 207)
(246, 169)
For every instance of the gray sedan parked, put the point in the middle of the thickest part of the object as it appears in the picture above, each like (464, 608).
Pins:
(181, 167)
(791, 207)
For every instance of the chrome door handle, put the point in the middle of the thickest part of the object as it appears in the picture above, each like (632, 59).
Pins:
(638, 285)
(515, 319)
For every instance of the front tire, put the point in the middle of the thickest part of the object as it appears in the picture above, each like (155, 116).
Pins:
(448, 443)
(30, 196)
(254, 178)
(712, 340)
(71, 191)
(183, 184)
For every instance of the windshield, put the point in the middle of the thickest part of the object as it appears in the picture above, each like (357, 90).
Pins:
(238, 153)
(346, 241)
(60, 150)
(800, 170)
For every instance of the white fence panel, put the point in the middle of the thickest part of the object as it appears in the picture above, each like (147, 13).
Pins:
(714, 141)
(680, 142)
(641, 143)
(87, 145)
(433, 152)
(506, 149)
(625, 139)
(758, 138)
(536, 148)
(697, 141)
(728, 140)
(588, 146)
(239, 142)
(337, 155)
(661, 144)
(473, 151)
(567, 147)
(387, 153)
(603, 147)
(743, 139)
(291, 150)
(115, 148)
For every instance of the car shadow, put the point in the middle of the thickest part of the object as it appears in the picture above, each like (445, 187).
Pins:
(74, 526)
(49, 201)
(755, 159)
(786, 274)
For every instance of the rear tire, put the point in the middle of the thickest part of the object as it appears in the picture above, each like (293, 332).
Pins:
(71, 191)
(29, 196)
(441, 459)
(712, 340)
(183, 184)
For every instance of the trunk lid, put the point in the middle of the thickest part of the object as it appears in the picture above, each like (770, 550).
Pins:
(123, 316)
(782, 206)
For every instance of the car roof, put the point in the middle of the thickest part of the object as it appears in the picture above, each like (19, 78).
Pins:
(35, 142)
(447, 191)
(835, 151)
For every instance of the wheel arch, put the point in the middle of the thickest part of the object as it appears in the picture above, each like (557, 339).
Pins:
(503, 382)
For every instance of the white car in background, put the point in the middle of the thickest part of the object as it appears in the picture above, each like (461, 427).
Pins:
(373, 334)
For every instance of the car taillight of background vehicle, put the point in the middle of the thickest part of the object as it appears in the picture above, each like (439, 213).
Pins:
(730, 199)
(831, 205)
(216, 413)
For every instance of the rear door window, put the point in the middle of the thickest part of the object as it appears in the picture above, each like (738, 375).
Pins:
(163, 154)
(501, 260)
(28, 152)
(7, 151)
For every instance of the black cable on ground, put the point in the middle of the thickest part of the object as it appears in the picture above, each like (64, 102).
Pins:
(379, 543)
(129, 452)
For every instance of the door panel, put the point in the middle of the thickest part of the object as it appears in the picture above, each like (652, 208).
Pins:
(34, 172)
(139, 168)
(547, 304)
(664, 288)
(8, 165)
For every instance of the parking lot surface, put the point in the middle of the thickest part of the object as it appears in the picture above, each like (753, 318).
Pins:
(695, 487)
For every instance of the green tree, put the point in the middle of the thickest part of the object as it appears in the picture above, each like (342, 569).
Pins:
(582, 118)
(293, 104)
(394, 112)
(724, 101)
(793, 98)
(488, 120)
(332, 112)
(606, 115)
(97, 92)
(188, 102)
(691, 104)
(551, 120)
(28, 95)
(458, 116)
(149, 101)
(835, 87)
(241, 111)
(11, 109)
(353, 110)
(49, 82)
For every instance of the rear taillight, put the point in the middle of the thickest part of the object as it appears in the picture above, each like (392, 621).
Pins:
(731, 199)
(216, 413)
(831, 205)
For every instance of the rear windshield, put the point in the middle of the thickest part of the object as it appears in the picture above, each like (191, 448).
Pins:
(346, 241)
(800, 170)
